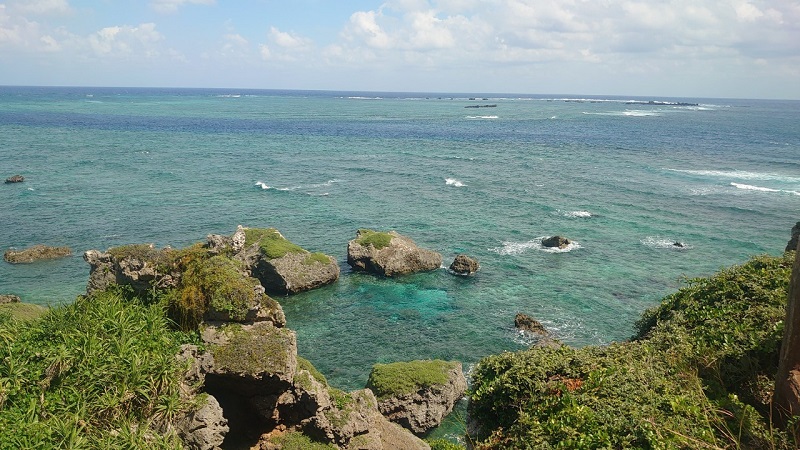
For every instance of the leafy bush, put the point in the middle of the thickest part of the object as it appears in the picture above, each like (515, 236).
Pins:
(273, 245)
(376, 239)
(389, 380)
(93, 374)
(697, 375)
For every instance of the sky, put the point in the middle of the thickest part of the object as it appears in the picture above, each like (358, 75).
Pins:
(670, 48)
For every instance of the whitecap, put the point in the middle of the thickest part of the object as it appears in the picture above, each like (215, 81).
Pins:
(577, 214)
(749, 187)
(659, 242)
(454, 182)
(483, 117)
(518, 248)
(262, 185)
(739, 175)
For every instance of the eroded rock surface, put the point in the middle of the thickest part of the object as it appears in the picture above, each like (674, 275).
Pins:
(556, 242)
(464, 265)
(36, 253)
(398, 257)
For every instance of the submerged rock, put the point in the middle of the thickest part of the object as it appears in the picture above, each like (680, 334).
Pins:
(464, 265)
(15, 179)
(417, 395)
(556, 242)
(389, 254)
(36, 253)
(792, 244)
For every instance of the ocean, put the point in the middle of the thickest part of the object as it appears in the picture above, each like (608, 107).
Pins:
(623, 177)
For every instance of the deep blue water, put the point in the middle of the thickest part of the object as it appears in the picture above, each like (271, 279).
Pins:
(108, 166)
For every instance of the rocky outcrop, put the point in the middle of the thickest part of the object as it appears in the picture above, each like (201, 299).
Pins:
(283, 267)
(418, 395)
(389, 254)
(9, 298)
(15, 179)
(524, 322)
(36, 253)
(556, 242)
(792, 245)
(464, 265)
(203, 427)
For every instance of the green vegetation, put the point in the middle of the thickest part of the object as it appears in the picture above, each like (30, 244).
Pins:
(259, 349)
(142, 252)
(304, 364)
(294, 440)
(389, 380)
(316, 258)
(23, 311)
(93, 374)
(272, 243)
(698, 374)
(376, 239)
(444, 444)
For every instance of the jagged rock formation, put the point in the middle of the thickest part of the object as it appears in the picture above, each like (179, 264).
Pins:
(556, 242)
(524, 322)
(36, 253)
(792, 245)
(9, 298)
(419, 394)
(389, 254)
(15, 179)
(464, 265)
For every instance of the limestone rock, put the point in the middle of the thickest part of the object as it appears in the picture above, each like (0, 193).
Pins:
(556, 242)
(36, 253)
(257, 359)
(424, 408)
(15, 179)
(464, 265)
(353, 416)
(9, 298)
(283, 267)
(524, 322)
(398, 257)
(203, 428)
(792, 245)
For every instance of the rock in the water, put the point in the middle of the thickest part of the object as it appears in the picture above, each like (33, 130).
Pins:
(284, 267)
(36, 253)
(792, 245)
(419, 394)
(556, 242)
(9, 298)
(389, 254)
(464, 265)
(524, 322)
(15, 179)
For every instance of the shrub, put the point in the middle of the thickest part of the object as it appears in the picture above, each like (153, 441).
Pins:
(389, 380)
(376, 239)
(697, 375)
(92, 374)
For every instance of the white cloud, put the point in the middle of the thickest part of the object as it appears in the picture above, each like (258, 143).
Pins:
(289, 40)
(170, 6)
(126, 40)
(41, 6)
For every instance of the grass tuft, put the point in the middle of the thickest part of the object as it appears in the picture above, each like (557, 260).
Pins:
(377, 239)
(273, 245)
(389, 380)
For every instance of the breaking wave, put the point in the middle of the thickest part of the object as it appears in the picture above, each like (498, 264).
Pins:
(518, 248)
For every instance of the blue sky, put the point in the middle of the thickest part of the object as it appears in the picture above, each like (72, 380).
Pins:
(690, 48)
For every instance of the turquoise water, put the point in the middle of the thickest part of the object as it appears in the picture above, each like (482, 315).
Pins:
(107, 167)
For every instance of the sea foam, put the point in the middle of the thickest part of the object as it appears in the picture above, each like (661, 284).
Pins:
(454, 182)
(659, 242)
(518, 248)
(577, 214)
(739, 175)
(749, 187)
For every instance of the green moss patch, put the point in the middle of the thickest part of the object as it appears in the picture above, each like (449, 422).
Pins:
(273, 245)
(257, 350)
(304, 364)
(377, 239)
(316, 258)
(389, 380)
(298, 441)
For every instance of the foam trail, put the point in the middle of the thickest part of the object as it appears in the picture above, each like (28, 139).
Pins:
(518, 248)
(454, 182)
(659, 242)
(262, 185)
(578, 214)
(740, 175)
(754, 188)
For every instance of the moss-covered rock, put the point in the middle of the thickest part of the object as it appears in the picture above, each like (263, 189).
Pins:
(418, 394)
(36, 253)
(389, 254)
